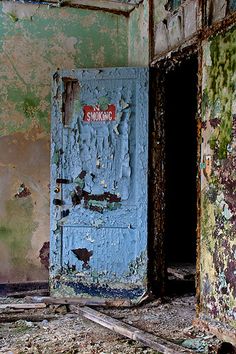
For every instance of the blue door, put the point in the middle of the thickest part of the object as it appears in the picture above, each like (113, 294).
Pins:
(99, 164)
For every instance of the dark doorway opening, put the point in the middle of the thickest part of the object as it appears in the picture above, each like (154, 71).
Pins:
(181, 168)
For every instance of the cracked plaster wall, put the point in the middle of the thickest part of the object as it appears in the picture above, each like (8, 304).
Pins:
(139, 35)
(176, 22)
(34, 42)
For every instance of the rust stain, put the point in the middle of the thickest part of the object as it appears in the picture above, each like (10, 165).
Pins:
(70, 93)
(23, 192)
(44, 255)
(83, 255)
(214, 122)
(208, 166)
(63, 181)
(58, 202)
(80, 194)
(94, 202)
(156, 183)
(82, 174)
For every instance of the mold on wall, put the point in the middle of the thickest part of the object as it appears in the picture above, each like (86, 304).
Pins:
(218, 180)
(34, 41)
(29, 43)
(24, 205)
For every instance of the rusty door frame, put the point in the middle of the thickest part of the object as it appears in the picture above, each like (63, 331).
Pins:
(156, 266)
(157, 156)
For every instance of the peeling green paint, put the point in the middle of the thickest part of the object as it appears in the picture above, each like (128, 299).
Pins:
(173, 4)
(31, 50)
(137, 266)
(208, 222)
(218, 195)
(56, 157)
(139, 35)
(64, 290)
(30, 106)
(16, 230)
(232, 5)
(160, 12)
(103, 102)
(13, 17)
(34, 42)
(5, 231)
(220, 91)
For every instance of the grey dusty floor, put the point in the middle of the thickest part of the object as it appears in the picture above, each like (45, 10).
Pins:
(69, 333)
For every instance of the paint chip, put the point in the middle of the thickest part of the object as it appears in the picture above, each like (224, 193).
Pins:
(83, 255)
(23, 192)
(44, 255)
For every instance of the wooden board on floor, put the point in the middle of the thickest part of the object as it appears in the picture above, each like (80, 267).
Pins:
(182, 271)
(80, 302)
(37, 292)
(7, 318)
(22, 306)
(218, 329)
(152, 341)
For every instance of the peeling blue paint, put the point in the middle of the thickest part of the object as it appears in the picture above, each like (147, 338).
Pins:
(105, 196)
(101, 291)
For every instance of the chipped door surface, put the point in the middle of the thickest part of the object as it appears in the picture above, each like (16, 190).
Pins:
(217, 280)
(99, 182)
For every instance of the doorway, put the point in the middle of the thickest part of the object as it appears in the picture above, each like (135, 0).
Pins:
(181, 169)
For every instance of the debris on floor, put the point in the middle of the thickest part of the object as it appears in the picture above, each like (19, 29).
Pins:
(37, 328)
(186, 271)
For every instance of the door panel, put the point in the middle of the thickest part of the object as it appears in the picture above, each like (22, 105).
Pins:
(217, 239)
(99, 182)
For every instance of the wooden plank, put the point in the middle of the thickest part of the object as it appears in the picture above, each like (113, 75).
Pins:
(79, 301)
(218, 329)
(152, 341)
(11, 311)
(182, 271)
(27, 317)
(6, 288)
(22, 306)
(37, 292)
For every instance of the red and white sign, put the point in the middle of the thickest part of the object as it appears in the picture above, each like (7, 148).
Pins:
(95, 114)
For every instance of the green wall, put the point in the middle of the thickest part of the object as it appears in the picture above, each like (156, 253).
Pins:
(34, 42)
(139, 35)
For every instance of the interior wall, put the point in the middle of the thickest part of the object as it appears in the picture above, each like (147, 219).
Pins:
(218, 180)
(139, 35)
(35, 41)
(174, 22)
